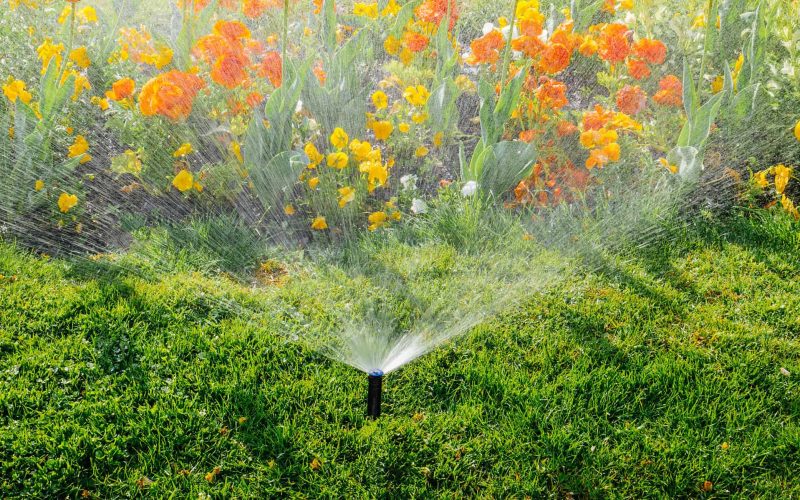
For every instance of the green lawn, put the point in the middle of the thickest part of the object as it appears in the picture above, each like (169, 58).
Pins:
(658, 375)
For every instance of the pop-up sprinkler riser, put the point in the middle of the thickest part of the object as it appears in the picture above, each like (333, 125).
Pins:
(375, 388)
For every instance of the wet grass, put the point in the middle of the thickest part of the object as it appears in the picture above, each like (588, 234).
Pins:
(658, 375)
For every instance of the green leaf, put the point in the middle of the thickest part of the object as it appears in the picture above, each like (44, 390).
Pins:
(505, 164)
(442, 106)
(273, 178)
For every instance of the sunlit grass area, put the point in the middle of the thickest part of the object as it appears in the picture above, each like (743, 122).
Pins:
(671, 372)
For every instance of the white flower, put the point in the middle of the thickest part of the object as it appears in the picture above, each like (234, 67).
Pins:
(469, 188)
(487, 28)
(419, 206)
(299, 107)
(630, 19)
(409, 181)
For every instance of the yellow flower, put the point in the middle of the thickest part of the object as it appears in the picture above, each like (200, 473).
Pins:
(377, 174)
(313, 182)
(788, 205)
(369, 10)
(47, 51)
(236, 149)
(392, 9)
(797, 130)
(184, 181)
(419, 117)
(314, 156)
(39, 185)
(81, 82)
(15, 89)
(339, 138)
(100, 102)
(346, 195)
(782, 174)
(406, 56)
(78, 148)
(437, 139)
(380, 100)
(184, 150)
(79, 57)
(337, 160)
(376, 220)
(760, 178)
(391, 45)
(383, 129)
(289, 210)
(666, 164)
(361, 149)
(66, 202)
(88, 14)
(421, 151)
(319, 223)
(717, 84)
(404, 127)
(416, 95)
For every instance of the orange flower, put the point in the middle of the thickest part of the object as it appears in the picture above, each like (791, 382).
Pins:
(552, 93)
(529, 45)
(631, 100)
(597, 119)
(170, 94)
(637, 68)
(486, 49)
(613, 45)
(121, 89)
(415, 42)
(433, 11)
(652, 51)
(565, 128)
(271, 67)
(319, 72)
(254, 99)
(224, 51)
(254, 9)
(232, 30)
(555, 58)
(230, 70)
(670, 93)
(602, 156)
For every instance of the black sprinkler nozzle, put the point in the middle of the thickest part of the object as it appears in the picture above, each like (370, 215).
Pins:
(375, 380)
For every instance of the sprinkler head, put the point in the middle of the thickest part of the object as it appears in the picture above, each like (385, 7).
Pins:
(375, 387)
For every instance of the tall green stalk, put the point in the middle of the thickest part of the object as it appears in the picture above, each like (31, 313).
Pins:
(507, 51)
(285, 37)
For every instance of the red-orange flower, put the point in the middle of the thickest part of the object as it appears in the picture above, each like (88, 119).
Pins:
(232, 30)
(530, 45)
(555, 58)
(566, 128)
(415, 42)
(637, 68)
(170, 94)
(652, 51)
(433, 11)
(230, 69)
(552, 93)
(597, 119)
(271, 67)
(486, 49)
(631, 99)
(254, 9)
(671, 91)
(613, 45)
(121, 89)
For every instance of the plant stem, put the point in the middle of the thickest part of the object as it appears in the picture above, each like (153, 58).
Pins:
(285, 36)
(507, 51)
